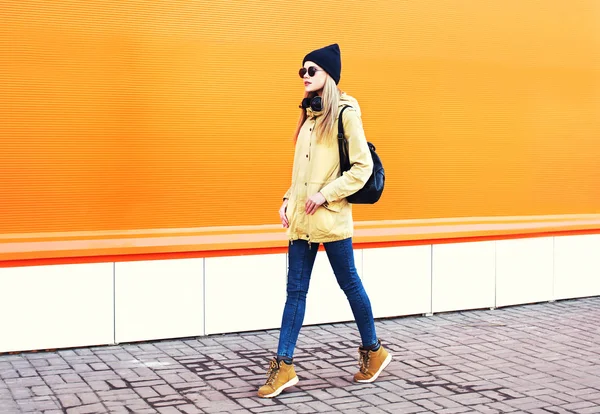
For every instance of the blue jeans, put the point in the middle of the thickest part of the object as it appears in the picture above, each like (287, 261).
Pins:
(301, 261)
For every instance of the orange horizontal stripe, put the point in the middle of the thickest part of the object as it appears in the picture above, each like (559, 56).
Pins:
(272, 250)
(69, 247)
(277, 228)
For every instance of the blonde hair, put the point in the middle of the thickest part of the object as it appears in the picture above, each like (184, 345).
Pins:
(325, 128)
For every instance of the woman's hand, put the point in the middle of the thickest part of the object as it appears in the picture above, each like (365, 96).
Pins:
(282, 215)
(313, 203)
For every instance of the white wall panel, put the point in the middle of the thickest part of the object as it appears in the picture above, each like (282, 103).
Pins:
(463, 276)
(58, 306)
(576, 266)
(524, 270)
(398, 280)
(159, 299)
(244, 293)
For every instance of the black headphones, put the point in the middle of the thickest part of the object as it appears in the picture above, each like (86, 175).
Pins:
(314, 103)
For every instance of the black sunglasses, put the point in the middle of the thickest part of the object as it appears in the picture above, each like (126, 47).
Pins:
(311, 71)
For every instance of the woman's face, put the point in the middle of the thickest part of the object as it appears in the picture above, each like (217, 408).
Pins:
(316, 82)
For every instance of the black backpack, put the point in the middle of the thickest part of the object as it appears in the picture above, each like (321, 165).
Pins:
(371, 192)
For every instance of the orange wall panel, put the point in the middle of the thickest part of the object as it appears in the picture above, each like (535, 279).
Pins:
(145, 115)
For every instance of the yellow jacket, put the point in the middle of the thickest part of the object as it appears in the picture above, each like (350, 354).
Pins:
(317, 168)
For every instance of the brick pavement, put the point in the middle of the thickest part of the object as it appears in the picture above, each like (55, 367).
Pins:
(542, 358)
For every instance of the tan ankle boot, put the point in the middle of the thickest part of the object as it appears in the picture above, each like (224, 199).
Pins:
(280, 376)
(372, 363)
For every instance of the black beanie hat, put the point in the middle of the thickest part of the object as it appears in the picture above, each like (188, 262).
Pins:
(329, 59)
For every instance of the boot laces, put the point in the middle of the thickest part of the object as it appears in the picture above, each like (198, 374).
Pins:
(364, 357)
(272, 372)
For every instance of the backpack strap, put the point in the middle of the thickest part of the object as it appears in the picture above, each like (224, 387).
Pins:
(342, 143)
(341, 123)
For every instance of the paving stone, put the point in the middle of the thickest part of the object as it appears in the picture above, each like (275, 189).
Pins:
(169, 410)
(88, 398)
(578, 406)
(42, 390)
(456, 410)
(319, 406)
(372, 410)
(87, 409)
(69, 400)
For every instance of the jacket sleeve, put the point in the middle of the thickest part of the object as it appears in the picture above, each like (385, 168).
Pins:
(360, 160)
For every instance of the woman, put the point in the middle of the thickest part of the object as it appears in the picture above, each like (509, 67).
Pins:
(315, 211)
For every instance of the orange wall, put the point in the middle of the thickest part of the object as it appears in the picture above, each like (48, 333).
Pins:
(137, 115)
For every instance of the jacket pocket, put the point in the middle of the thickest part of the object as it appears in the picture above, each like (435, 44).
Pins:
(328, 218)
(322, 222)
